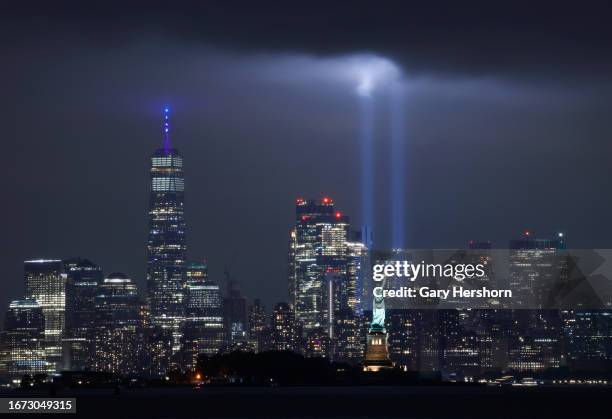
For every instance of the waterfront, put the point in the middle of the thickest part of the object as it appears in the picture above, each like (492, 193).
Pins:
(347, 402)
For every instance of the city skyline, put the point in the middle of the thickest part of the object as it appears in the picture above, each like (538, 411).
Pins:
(71, 320)
(220, 208)
(185, 326)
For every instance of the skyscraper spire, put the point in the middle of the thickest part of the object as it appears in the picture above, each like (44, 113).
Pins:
(166, 129)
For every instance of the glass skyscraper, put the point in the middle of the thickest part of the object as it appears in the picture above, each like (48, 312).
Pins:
(536, 266)
(45, 283)
(203, 328)
(84, 278)
(118, 337)
(166, 244)
(317, 254)
(23, 339)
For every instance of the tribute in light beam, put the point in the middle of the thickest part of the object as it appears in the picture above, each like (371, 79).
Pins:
(397, 167)
(365, 86)
(370, 72)
(367, 160)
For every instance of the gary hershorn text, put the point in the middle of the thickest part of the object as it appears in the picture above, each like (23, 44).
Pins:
(455, 292)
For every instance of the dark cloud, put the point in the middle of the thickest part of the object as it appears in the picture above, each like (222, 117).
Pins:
(529, 39)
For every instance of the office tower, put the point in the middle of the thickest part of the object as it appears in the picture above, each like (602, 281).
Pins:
(196, 271)
(348, 340)
(429, 341)
(159, 355)
(166, 244)
(534, 342)
(490, 326)
(284, 329)
(4, 358)
(493, 328)
(317, 247)
(235, 316)
(459, 343)
(45, 282)
(587, 336)
(23, 340)
(257, 325)
(291, 272)
(203, 328)
(83, 279)
(119, 335)
(536, 267)
(335, 298)
(356, 270)
(402, 337)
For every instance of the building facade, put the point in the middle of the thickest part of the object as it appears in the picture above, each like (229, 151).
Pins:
(285, 333)
(166, 244)
(119, 330)
(258, 326)
(203, 330)
(317, 253)
(45, 283)
(23, 340)
(83, 279)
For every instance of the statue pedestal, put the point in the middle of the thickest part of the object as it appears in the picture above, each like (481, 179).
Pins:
(377, 355)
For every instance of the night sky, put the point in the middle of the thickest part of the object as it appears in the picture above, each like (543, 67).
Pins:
(508, 116)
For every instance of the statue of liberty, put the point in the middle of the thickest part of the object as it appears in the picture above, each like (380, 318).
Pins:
(378, 315)
(377, 353)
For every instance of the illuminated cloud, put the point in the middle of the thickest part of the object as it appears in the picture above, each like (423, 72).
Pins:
(372, 71)
(361, 73)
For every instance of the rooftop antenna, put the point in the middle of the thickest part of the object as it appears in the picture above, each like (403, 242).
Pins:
(230, 282)
(166, 129)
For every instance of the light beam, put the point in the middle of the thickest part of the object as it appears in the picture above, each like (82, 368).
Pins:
(397, 167)
(367, 160)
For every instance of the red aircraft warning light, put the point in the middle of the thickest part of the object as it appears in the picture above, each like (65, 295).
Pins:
(338, 214)
(327, 200)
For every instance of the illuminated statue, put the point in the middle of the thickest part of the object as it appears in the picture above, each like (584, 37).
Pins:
(377, 353)
(378, 313)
